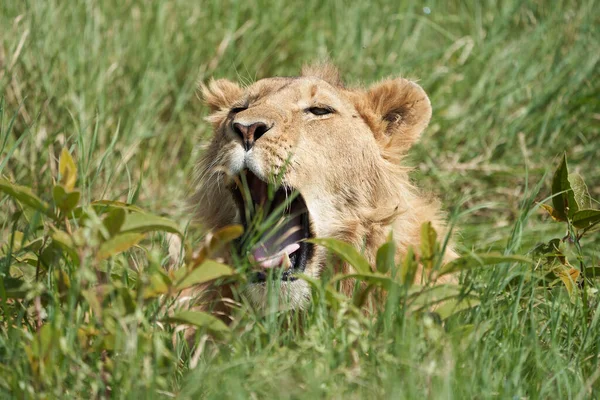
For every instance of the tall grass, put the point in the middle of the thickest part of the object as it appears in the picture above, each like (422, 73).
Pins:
(513, 84)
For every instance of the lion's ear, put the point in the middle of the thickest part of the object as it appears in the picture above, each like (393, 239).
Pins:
(220, 94)
(398, 112)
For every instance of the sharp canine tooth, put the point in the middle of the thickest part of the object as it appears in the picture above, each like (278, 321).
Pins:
(280, 259)
(286, 263)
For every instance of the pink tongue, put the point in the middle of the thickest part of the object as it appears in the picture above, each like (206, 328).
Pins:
(280, 259)
(275, 250)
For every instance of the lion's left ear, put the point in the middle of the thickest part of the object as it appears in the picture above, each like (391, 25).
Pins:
(397, 110)
(220, 94)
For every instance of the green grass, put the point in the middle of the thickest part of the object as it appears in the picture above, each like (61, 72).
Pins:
(513, 85)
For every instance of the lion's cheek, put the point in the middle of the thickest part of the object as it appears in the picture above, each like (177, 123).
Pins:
(323, 214)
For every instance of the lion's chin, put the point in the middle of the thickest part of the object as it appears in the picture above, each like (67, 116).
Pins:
(278, 295)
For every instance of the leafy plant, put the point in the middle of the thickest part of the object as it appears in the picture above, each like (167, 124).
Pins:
(572, 206)
(70, 257)
(389, 276)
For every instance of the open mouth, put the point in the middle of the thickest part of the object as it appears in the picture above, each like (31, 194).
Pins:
(276, 226)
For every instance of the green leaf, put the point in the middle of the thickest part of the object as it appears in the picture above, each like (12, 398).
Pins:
(553, 213)
(92, 298)
(65, 242)
(421, 298)
(453, 306)
(429, 247)
(224, 236)
(65, 201)
(127, 299)
(592, 272)
(17, 242)
(26, 250)
(214, 242)
(28, 258)
(144, 222)
(374, 279)
(408, 269)
(108, 205)
(12, 288)
(25, 196)
(34, 245)
(62, 280)
(361, 297)
(207, 271)
(46, 337)
(159, 285)
(67, 170)
(580, 191)
(105, 206)
(551, 251)
(114, 221)
(386, 257)
(101, 206)
(585, 218)
(478, 260)
(118, 244)
(200, 320)
(563, 198)
(347, 253)
(569, 276)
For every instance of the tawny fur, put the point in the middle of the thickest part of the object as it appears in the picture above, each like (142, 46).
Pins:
(346, 165)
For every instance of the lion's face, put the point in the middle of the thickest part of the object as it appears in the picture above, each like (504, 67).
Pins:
(308, 135)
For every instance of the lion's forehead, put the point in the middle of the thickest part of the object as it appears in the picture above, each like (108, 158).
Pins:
(284, 91)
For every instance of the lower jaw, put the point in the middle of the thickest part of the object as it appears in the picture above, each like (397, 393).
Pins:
(280, 295)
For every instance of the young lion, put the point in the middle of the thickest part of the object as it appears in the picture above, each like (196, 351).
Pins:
(338, 147)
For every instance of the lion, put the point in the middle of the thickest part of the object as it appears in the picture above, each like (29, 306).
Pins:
(339, 148)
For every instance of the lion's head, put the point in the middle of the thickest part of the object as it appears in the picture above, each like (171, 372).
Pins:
(339, 148)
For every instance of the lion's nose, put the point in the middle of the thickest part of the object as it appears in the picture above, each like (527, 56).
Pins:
(250, 133)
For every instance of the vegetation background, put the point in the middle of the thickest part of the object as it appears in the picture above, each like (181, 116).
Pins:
(513, 84)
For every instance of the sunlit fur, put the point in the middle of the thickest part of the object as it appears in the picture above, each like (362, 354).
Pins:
(347, 165)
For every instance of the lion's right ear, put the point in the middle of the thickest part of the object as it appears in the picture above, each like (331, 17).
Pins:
(397, 111)
(220, 94)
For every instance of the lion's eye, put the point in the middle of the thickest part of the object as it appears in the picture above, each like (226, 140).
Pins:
(320, 110)
(236, 110)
